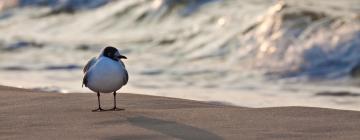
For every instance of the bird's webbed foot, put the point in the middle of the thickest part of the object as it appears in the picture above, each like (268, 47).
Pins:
(98, 110)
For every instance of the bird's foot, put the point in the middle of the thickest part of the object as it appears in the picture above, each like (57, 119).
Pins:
(116, 109)
(98, 110)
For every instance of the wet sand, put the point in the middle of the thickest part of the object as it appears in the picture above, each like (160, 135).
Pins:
(34, 115)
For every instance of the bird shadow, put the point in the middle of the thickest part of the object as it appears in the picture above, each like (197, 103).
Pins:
(174, 129)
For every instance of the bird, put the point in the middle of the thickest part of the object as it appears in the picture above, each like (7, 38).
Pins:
(106, 74)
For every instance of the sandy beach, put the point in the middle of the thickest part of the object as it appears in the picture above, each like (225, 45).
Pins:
(198, 69)
(34, 115)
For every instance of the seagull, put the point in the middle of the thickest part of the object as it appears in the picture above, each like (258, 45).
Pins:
(106, 74)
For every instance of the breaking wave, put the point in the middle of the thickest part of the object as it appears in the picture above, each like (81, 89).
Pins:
(216, 36)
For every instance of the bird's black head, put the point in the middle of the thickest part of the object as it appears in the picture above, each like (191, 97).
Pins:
(112, 53)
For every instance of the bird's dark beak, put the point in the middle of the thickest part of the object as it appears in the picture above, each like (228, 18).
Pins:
(122, 57)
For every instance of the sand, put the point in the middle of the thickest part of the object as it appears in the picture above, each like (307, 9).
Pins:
(34, 115)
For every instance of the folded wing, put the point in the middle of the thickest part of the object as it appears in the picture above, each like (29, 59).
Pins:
(89, 64)
(86, 68)
(126, 77)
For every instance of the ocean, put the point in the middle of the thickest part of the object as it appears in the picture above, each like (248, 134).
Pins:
(252, 53)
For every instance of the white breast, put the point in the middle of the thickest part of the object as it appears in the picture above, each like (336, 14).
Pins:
(106, 76)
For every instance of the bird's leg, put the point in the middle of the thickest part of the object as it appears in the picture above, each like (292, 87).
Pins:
(115, 108)
(114, 99)
(99, 108)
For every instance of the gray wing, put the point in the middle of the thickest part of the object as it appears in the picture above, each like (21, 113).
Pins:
(86, 68)
(85, 80)
(89, 64)
(126, 77)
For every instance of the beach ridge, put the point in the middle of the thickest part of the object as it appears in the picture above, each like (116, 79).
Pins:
(27, 114)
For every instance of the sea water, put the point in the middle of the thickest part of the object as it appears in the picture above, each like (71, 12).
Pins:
(254, 53)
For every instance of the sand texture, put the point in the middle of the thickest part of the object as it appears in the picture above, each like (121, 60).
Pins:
(34, 115)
